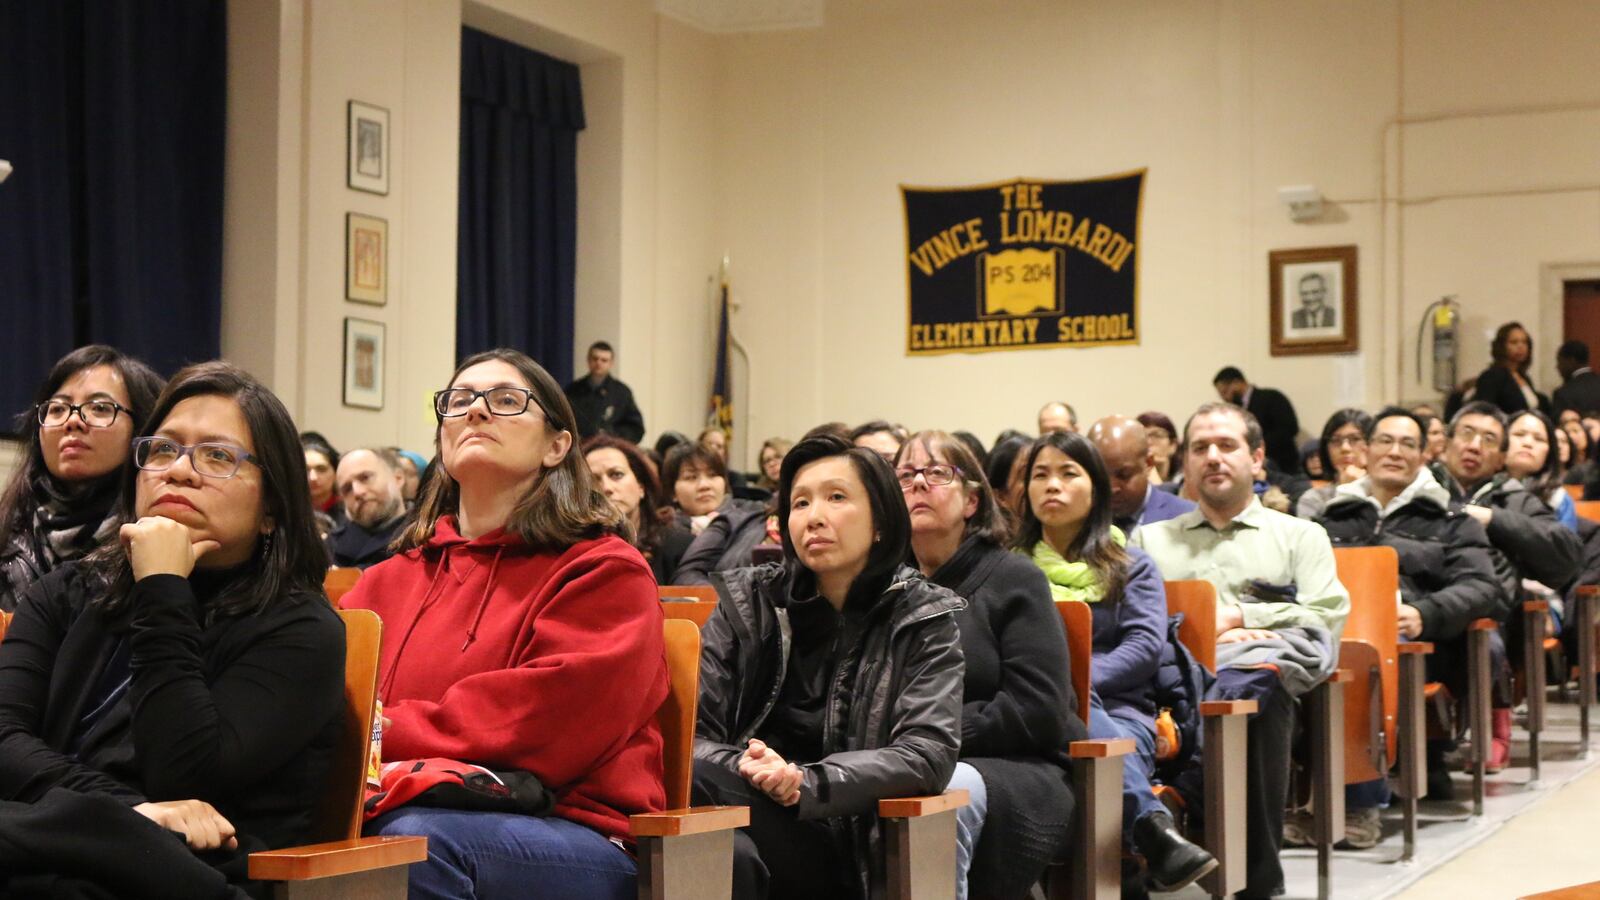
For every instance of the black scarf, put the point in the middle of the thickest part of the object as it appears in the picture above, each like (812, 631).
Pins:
(67, 522)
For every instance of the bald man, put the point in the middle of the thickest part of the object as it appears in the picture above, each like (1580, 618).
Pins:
(1058, 416)
(1126, 451)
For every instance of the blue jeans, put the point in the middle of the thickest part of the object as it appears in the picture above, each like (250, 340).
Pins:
(1138, 799)
(969, 821)
(489, 855)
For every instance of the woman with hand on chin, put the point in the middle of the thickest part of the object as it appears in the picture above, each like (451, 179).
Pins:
(1066, 529)
(190, 672)
(1019, 710)
(827, 682)
(58, 504)
(522, 634)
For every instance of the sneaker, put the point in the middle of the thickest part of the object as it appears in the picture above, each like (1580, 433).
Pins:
(1362, 830)
(1298, 829)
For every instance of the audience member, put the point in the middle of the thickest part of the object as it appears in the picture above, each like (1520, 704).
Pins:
(621, 473)
(602, 404)
(412, 466)
(1531, 460)
(1125, 450)
(771, 461)
(526, 639)
(1057, 416)
(1343, 450)
(1580, 386)
(1162, 436)
(836, 429)
(842, 667)
(372, 486)
(1019, 710)
(979, 454)
(667, 441)
(1506, 383)
(1438, 435)
(1580, 463)
(322, 462)
(1311, 460)
(1280, 428)
(1067, 530)
(1008, 434)
(1279, 605)
(1005, 463)
(882, 438)
(185, 681)
(698, 480)
(58, 505)
(1447, 578)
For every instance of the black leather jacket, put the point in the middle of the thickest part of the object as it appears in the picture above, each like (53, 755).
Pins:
(1526, 538)
(892, 725)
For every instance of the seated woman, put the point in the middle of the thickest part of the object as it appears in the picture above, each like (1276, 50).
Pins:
(1344, 459)
(1163, 438)
(1066, 528)
(625, 478)
(771, 459)
(57, 506)
(698, 480)
(322, 467)
(187, 675)
(1004, 472)
(1019, 710)
(524, 635)
(1531, 458)
(827, 682)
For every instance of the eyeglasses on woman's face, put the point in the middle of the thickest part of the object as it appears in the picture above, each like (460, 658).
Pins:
(211, 459)
(500, 401)
(94, 413)
(936, 474)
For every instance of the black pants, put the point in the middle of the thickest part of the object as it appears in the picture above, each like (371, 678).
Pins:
(1448, 663)
(778, 856)
(1268, 759)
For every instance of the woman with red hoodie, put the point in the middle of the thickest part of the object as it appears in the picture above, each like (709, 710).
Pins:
(522, 634)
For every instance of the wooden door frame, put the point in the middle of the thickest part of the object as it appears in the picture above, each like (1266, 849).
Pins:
(1552, 315)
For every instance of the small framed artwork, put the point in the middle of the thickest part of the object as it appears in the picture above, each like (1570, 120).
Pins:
(366, 259)
(363, 363)
(1314, 302)
(368, 140)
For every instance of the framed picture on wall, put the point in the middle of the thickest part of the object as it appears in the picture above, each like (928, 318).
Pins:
(366, 259)
(368, 140)
(363, 363)
(1313, 300)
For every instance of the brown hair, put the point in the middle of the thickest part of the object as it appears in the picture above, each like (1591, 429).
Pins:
(691, 454)
(987, 523)
(562, 507)
(651, 528)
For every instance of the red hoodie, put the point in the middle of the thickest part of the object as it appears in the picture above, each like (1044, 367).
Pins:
(553, 664)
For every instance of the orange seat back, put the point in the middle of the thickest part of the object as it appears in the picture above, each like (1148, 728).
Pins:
(676, 715)
(1588, 509)
(694, 602)
(5, 624)
(337, 816)
(1575, 491)
(338, 582)
(1372, 577)
(1197, 600)
(1078, 619)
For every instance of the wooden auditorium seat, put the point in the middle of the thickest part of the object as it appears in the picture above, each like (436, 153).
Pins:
(694, 602)
(339, 581)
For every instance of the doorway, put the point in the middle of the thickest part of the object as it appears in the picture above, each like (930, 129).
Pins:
(1580, 312)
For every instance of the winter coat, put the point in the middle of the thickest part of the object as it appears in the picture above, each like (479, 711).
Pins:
(892, 724)
(547, 662)
(1526, 540)
(724, 544)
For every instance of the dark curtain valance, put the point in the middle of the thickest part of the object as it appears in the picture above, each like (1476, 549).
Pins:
(503, 74)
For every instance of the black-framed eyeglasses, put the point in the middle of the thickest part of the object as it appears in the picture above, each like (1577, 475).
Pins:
(936, 474)
(94, 413)
(501, 401)
(209, 458)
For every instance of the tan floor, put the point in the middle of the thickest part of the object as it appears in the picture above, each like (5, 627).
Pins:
(1547, 847)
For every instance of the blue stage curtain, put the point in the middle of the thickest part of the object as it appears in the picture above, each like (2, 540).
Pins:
(521, 112)
(111, 228)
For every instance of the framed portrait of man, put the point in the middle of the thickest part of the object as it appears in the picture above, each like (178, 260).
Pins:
(1313, 300)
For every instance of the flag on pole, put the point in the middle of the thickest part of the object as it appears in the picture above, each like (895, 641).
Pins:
(721, 415)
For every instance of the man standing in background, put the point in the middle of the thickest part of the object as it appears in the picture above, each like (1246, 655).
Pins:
(602, 404)
(1272, 409)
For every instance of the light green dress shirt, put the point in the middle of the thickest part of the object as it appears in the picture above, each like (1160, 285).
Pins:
(1259, 544)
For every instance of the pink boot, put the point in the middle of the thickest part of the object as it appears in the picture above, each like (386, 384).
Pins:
(1500, 746)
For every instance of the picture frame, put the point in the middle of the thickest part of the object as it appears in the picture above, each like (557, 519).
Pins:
(367, 141)
(366, 259)
(1313, 300)
(364, 352)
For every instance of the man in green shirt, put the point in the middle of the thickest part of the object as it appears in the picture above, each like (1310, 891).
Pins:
(1280, 607)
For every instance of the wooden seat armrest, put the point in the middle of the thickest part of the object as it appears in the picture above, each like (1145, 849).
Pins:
(1535, 606)
(1587, 590)
(913, 807)
(1341, 676)
(337, 858)
(1482, 625)
(1415, 648)
(1100, 748)
(1227, 707)
(692, 820)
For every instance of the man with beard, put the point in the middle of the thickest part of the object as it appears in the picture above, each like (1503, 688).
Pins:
(371, 485)
(1280, 608)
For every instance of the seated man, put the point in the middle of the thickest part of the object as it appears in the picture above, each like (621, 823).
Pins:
(1280, 608)
(1125, 449)
(1446, 578)
(371, 484)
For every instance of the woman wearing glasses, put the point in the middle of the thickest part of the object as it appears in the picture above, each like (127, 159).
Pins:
(57, 506)
(1019, 710)
(189, 673)
(1343, 451)
(523, 634)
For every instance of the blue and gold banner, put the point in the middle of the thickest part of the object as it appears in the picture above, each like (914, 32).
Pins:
(1023, 264)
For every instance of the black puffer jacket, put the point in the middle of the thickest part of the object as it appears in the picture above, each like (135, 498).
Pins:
(1445, 567)
(725, 544)
(892, 726)
(1526, 539)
